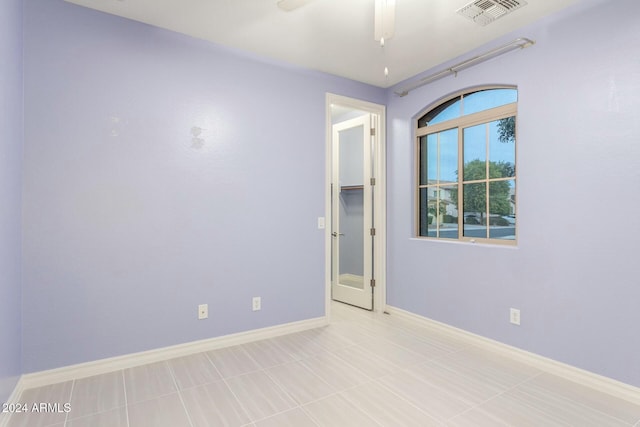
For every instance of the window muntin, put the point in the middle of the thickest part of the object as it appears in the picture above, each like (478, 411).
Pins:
(481, 144)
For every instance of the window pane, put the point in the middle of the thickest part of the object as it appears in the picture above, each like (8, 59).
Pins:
(502, 208)
(428, 159)
(486, 99)
(443, 112)
(427, 226)
(475, 152)
(433, 213)
(502, 148)
(448, 156)
(475, 210)
(448, 212)
(439, 213)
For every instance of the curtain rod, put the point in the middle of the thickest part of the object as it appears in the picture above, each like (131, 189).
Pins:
(519, 43)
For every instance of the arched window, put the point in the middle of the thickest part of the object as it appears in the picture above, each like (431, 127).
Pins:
(466, 163)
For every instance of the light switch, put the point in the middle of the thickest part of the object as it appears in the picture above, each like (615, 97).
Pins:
(321, 223)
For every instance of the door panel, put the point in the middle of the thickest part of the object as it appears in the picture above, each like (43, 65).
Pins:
(352, 213)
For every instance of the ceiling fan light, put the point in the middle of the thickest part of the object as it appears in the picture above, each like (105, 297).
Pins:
(384, 19)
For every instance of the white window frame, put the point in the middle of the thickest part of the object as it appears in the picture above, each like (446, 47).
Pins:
(462, 122)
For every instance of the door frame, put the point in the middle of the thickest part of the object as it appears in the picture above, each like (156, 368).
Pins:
(379, 191)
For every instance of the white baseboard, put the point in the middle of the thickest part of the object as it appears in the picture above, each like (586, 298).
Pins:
(589, 379)
(103, 366)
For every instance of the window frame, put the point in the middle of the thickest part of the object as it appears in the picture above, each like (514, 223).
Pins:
(460, 123)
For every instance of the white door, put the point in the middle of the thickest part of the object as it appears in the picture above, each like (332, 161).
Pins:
(352, 212)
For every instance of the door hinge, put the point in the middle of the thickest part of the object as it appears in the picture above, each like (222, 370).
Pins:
(373, 131)
(373, 283)
(373, 181)
(373, 231)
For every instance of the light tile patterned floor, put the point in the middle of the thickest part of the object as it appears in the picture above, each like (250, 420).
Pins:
(362, 370)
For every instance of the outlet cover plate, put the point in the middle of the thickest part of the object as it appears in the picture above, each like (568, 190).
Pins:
(203, 311)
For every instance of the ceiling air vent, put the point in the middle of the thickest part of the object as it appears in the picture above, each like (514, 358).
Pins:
(484, 12)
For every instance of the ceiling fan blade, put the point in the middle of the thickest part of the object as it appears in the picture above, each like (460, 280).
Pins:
(289, 5)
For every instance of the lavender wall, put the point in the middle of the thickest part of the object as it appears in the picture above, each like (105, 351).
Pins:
(11, 138)
(574, 273)
(132, 220)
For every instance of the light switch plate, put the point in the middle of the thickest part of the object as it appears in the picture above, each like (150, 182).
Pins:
(514, 316)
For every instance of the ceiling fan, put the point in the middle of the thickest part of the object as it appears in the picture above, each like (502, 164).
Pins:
(384, 20)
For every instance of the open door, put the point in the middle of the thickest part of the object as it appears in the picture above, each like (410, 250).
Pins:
(352, 207)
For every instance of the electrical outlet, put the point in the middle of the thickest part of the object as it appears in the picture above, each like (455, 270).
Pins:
(257, 303)
(514, 316)
(203, 311)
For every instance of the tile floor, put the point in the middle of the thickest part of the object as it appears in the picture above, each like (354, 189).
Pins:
(362, 370)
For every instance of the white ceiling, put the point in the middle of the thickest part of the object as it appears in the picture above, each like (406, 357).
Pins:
(334, 36)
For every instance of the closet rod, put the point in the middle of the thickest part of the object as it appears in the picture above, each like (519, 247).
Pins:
(352, 187)
(519, 43)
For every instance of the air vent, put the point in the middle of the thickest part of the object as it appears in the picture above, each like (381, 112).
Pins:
(484, 12)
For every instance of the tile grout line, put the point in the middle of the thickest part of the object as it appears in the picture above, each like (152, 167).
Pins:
(444, 356)
(445, 351)
(339, 394)
(126, 399)
(382, 360)
(390, 390)
(375, 380)
(278, 413)
(306, 369)
(66, 416)
(299, 405)
(411, 331)
(448, 353)
(281, 388)
(175, 384)
(224, 380)
(478, 405)
(308, 414)
(576, 402)
(261, 368)
(251, 420)
(527, 380)
(409, 370)
(96, 411)
(349, 342)
(392, 344)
